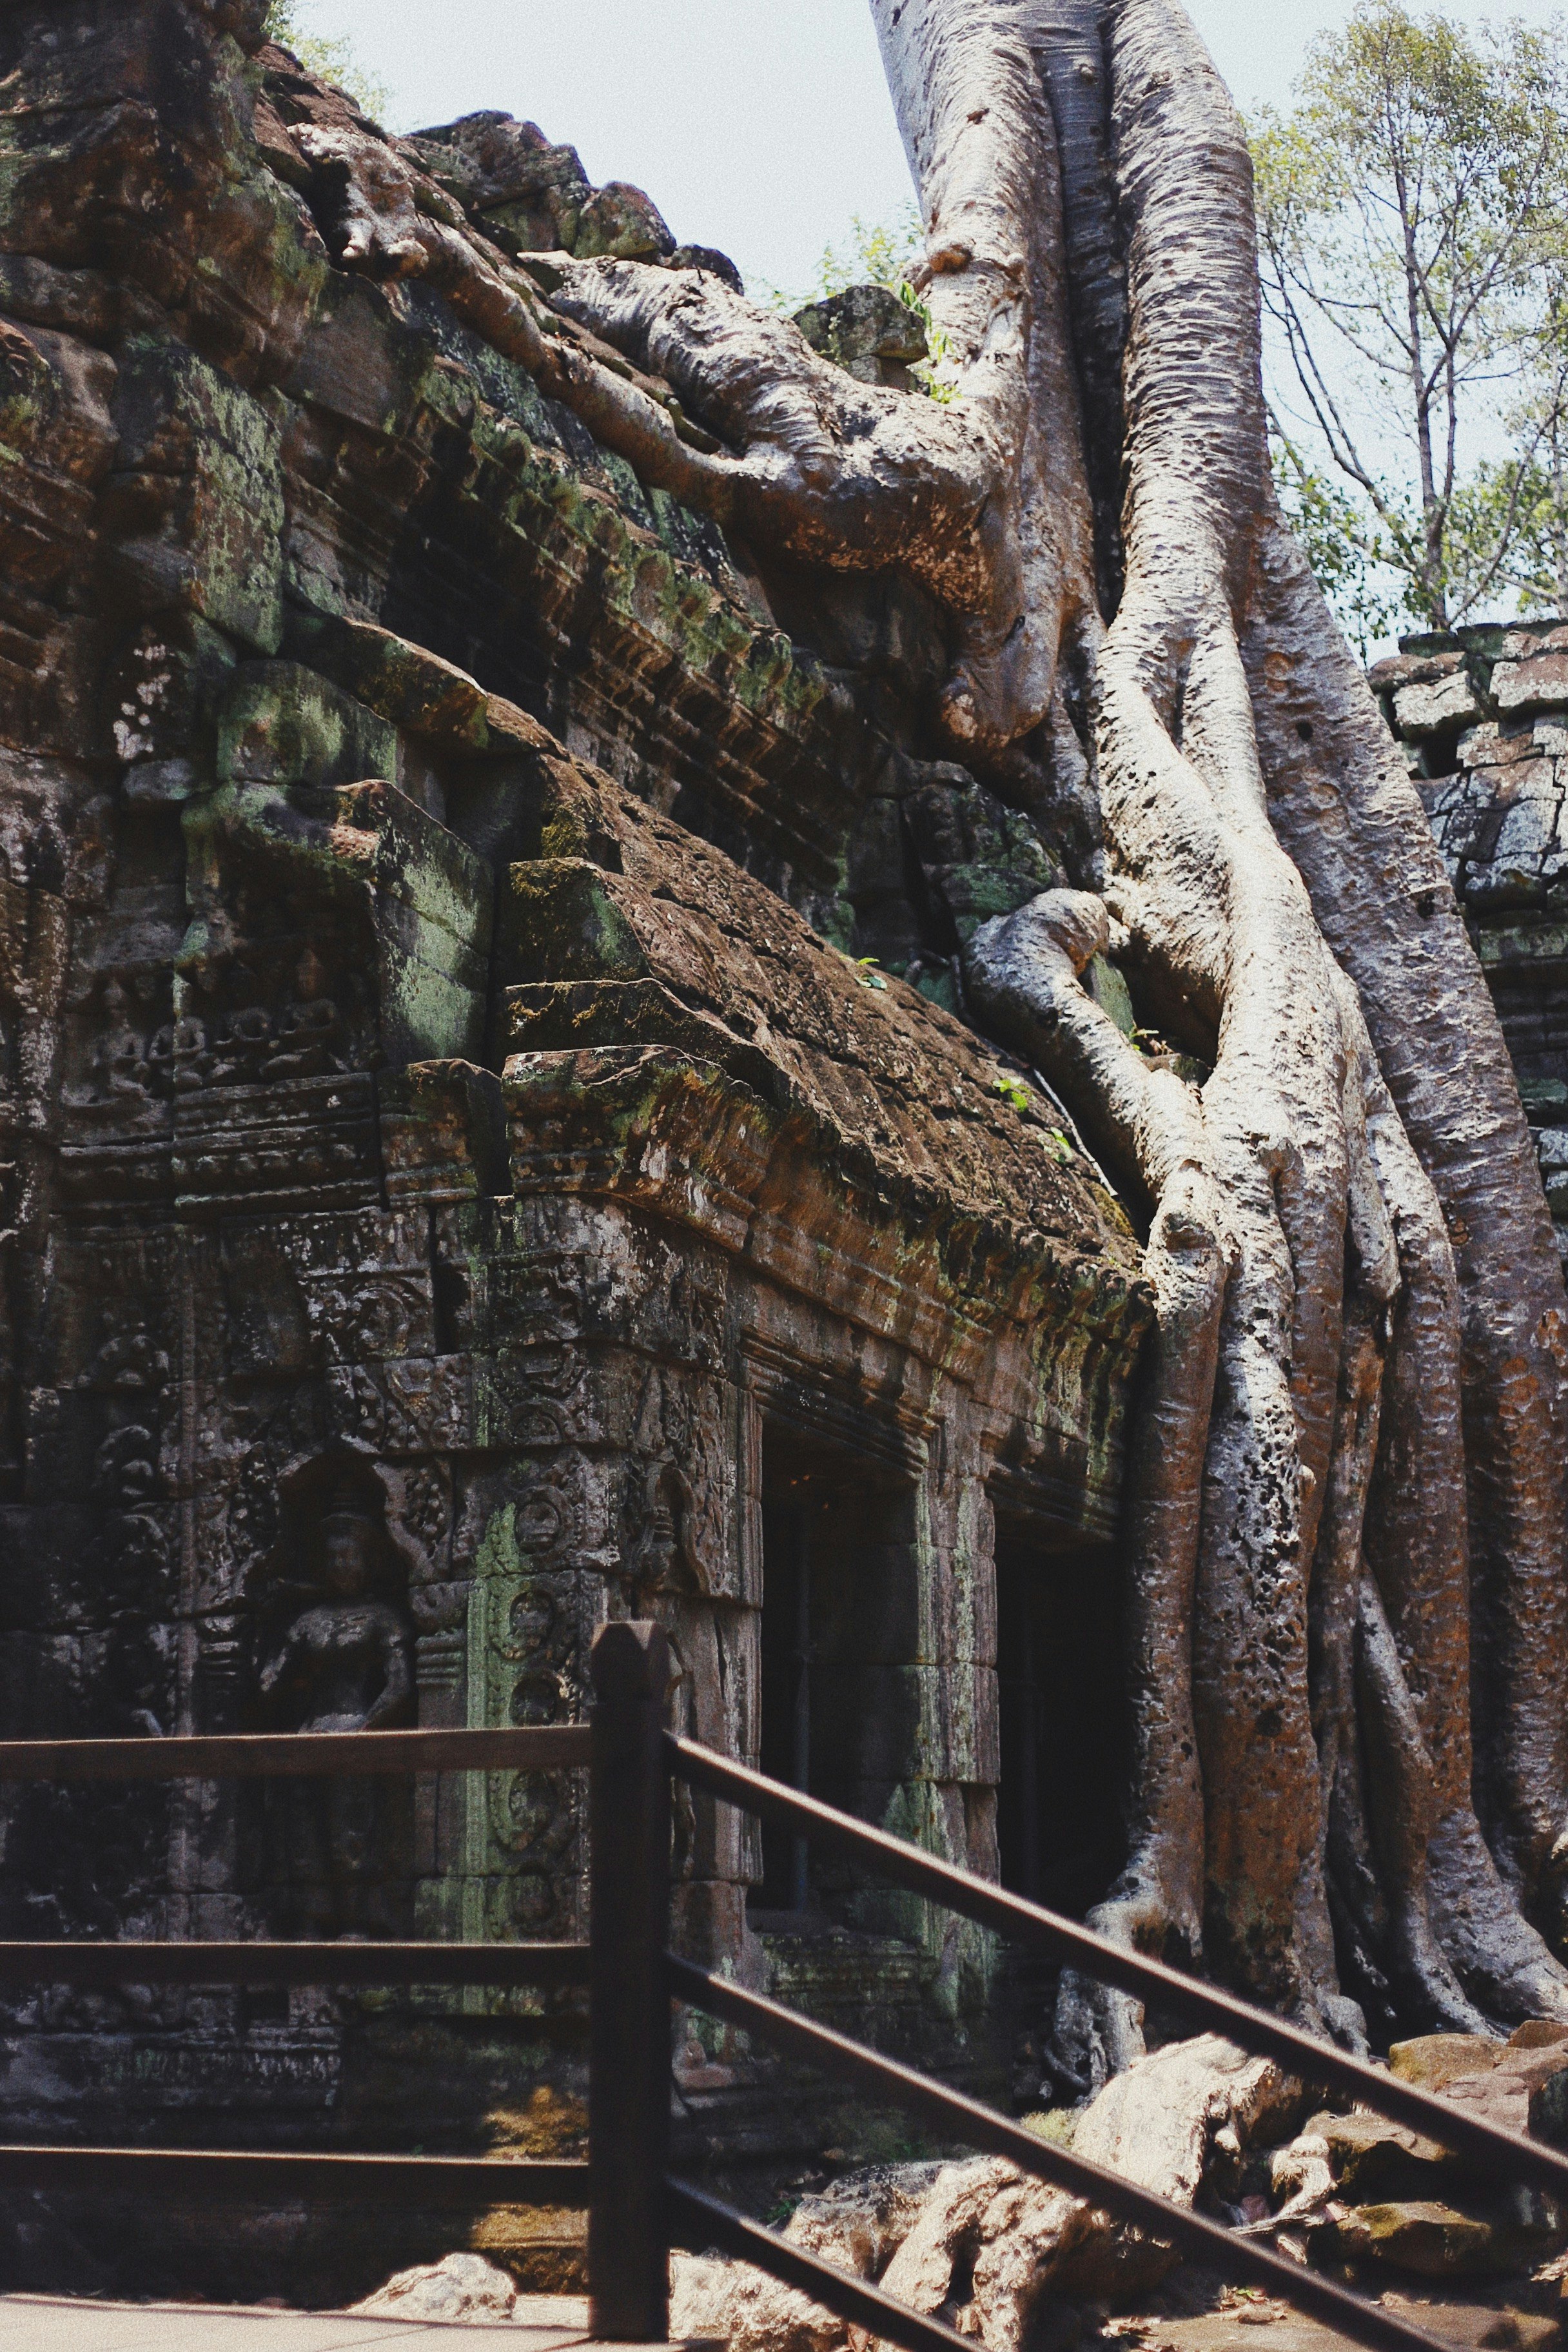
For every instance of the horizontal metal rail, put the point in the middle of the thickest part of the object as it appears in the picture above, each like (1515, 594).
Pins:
(252, 1756)
(698, 2220)
(267, 2176)
(97, 1965)
(1255, 2030)
(979, 2127)
(223, 2172)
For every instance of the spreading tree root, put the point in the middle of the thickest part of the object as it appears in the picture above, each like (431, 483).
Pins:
(1344, 1514)
(1325, 1588)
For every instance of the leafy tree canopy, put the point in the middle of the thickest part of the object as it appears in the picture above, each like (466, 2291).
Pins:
(1413, 240)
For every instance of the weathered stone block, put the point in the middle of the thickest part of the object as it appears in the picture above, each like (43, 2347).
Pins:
(443, 1131)
(1541, 637)
(1402, 669)
(562, 1015)
(620, 222)
(491, 159)
(1375, 2160)
(868, 331)
(164, 691)
(1527, 831)
(283, 724)
(1490, 746)
(1110, 992)
(1539, 683)
(378, 940)
(979, 858)
(433, 917)
(309, 1145)
(1433, 709)
(405, 685)
(1420, 2235)
(566, 920)
(196, 498)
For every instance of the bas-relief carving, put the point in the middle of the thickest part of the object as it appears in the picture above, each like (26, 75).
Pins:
(336, 1642)
(534, 1602)
(343, 1664)
(359, 1370)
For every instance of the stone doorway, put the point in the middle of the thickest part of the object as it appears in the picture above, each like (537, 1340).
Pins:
(840, 1685)
(1063, 1735)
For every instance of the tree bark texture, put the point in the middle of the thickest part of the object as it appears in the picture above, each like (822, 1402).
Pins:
(1345, 1524)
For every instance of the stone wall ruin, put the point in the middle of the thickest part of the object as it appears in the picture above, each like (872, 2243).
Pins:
(1483, 715)
(494, 1140)
(490, 1132)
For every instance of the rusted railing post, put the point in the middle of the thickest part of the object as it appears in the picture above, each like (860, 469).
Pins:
(629, 2091)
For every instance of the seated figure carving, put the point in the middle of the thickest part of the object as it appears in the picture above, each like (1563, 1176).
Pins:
(178, 1057)
(119, 1058)
(306, 1034)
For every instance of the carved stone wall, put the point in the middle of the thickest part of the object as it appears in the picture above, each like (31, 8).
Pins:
(480, 1064)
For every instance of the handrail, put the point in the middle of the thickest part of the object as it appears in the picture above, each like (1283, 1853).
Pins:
(981, 2126)
(443, 2180)
(87, 1965)
(1254, 2028)
(262, 2174)
(634, 2206)
(710, 2223)
(269, 1755)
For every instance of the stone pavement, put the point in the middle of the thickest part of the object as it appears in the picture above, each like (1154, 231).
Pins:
(48, 2324)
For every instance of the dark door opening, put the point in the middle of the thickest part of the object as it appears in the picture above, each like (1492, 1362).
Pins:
(840, 1709)
(1063, 1725)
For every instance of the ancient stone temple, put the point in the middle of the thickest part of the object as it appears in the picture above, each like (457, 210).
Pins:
(493, 1140)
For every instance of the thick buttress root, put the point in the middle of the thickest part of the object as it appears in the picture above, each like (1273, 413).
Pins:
(1350, 1447)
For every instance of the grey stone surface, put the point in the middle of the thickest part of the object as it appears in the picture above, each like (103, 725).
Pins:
(1494, 794)
(1447, 703)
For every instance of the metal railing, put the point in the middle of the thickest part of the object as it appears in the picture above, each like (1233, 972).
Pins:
(637, 2208)
(261, 2175)
(701, 2221)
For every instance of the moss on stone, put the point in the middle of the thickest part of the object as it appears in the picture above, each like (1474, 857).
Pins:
(283, 724)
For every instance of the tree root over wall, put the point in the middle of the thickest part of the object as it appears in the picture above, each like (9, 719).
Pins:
(1345, 1518)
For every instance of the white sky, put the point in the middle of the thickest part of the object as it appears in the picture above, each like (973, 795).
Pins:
(759, 126)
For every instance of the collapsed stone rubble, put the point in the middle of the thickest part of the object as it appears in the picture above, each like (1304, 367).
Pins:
(1013, 2262)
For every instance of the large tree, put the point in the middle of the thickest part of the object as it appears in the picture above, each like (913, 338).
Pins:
(1344, 1515)
(1411, 207)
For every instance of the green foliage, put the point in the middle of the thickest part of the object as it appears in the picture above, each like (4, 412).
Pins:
(880, 253)
(1345, 546)
(1535, 563)
(876, 253)
(1413, 220)
(333, 60)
